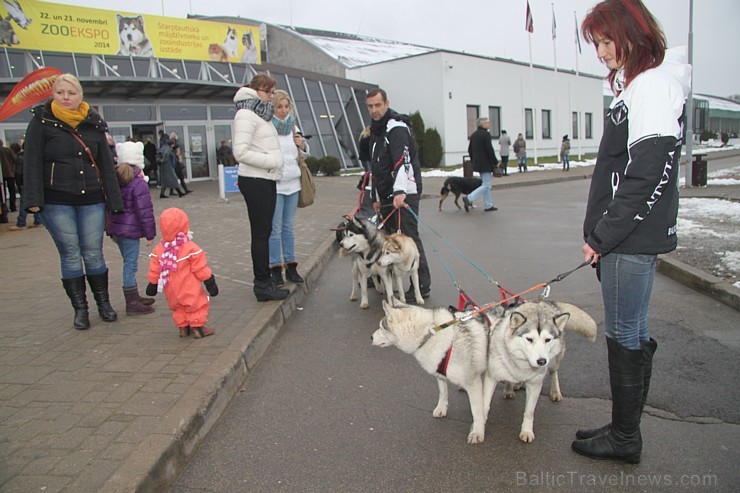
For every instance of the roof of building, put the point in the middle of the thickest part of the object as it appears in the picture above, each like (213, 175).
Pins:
(717, 103)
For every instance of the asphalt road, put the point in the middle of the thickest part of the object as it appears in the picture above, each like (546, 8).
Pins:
(326, 411)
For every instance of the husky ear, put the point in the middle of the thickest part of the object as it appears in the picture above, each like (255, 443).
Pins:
(398, 303)
(387, 307)
(561, 320)
(517, 320)
(578, 321)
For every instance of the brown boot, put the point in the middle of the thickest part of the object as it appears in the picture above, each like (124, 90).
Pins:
(133, 305)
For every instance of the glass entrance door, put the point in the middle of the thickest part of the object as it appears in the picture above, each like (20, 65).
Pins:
(194, 147)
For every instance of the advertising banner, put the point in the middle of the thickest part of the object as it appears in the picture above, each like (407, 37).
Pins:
(35, 25)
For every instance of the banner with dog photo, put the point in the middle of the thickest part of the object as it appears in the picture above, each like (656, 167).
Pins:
(34, 25)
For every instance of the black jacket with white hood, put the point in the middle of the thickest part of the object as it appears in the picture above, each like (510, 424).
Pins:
(633, 200)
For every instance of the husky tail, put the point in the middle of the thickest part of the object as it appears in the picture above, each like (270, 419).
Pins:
(579, 321)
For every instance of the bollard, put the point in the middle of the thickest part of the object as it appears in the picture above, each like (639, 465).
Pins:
(699, 170)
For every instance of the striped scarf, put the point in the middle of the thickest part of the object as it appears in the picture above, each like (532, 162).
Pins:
(263, 109)
(284, 127)
(168, 260)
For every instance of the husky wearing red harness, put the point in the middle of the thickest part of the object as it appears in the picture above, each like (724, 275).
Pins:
(401, 255)
(522, 344)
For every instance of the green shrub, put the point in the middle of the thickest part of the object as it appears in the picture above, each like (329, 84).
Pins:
(313, 164)
(432, 147)
(725, 138)
(330, 165)
(707, 135)
(417, 130)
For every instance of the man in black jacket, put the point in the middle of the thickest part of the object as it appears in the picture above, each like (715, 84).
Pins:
(396, 176)
(484, 161)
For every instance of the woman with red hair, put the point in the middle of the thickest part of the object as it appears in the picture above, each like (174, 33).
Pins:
(632, 205)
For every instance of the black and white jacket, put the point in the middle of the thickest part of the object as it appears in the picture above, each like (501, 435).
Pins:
(633, 201)
(395, 166)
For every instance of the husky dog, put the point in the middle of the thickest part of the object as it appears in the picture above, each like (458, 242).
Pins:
(364, 242)
(521, 344)
(132, 37)
(250, 49)
(15, 12)
(457, 353)
(7, 34)
(231, 45)
(400, 252)
(527, 341)
(458, 186)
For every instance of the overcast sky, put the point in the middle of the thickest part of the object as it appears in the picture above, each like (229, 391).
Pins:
(484, 27)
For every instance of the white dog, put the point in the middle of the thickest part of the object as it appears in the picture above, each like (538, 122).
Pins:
(250, 49)
(231, 45)
(400, 253)
(519, 347)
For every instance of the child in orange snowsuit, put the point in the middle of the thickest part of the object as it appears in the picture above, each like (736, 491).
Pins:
(177, 267)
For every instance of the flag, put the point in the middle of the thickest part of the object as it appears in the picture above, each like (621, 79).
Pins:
(530, 23)
(578, 34)
(554, 24)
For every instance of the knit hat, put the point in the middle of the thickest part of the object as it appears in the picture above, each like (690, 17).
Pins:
(131, 153)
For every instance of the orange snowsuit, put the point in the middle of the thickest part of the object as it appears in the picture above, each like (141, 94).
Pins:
(184, 284)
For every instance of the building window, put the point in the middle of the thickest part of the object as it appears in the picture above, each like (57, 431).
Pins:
(546, 124)
(494, 116)
(588, 125)
(575, 125)
(528, 124)
(473, 114)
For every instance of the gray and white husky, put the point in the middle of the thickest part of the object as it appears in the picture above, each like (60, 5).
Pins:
(519, 347)
(363, 241)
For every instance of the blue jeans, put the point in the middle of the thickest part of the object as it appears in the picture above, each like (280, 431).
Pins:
(77, 231)
(626, 285)
(130, 252)
(484, 189)
(522, 163)
(22, 215)
(566, 161)
(282, 238)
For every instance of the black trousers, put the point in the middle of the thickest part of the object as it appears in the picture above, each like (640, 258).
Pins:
(10, 183)
(409, 227)
(260, 195)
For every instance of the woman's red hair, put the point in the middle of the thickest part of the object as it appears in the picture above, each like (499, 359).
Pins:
(638, 38)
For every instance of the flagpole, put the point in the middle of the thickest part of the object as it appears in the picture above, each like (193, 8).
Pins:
(554, 50)
(690, 103)
(578, 113)
(534, 106)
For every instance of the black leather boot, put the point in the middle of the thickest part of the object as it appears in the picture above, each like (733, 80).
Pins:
(276, 274)
(268, 290)
(99, 287)
(291, 273)
(648, 350)
(623, 441)
(75, 289)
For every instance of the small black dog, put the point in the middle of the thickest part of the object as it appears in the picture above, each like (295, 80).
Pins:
(458, 186)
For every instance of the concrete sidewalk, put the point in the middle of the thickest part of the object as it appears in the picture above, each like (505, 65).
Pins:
(121, 407)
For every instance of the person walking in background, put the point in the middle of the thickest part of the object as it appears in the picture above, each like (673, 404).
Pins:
(150, 163)
(504, 143)
(484, 161)
(136, 222)
(178, 268)
(21, 221)
(7, 156)
(396, 176)
(282, 238)
(70, 180)
(565, 153)
(167, 173)
(632, 206)
(257, 150)
(225, 155)
(179, 163)
(520, 149)
(363, 147)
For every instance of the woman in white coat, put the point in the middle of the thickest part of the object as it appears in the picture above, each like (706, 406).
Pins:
(282, 239)
(257, 150)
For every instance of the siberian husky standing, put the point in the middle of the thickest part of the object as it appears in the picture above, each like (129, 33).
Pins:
(521, 344)
(364, 242)
(402, 255)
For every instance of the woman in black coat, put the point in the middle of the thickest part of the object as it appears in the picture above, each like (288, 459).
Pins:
(70, 180)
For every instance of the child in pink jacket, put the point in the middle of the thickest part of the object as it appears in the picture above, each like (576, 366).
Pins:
(178, 267)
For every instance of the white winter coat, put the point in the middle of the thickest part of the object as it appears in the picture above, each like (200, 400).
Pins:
(256, 145)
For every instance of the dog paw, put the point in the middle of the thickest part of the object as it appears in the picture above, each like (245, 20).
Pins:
(439, 412)
(526, 436)
(353, 298)
(556, 397)
(365, 305)
(508, 394)
(474, 438)
(420, 301)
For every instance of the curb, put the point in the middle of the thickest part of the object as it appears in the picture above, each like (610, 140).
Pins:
(162, 457)
(700, 281)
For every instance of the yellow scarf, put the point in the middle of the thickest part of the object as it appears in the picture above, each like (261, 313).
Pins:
(70, 117)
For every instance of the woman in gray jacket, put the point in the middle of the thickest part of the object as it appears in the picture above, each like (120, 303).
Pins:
(257, 150)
